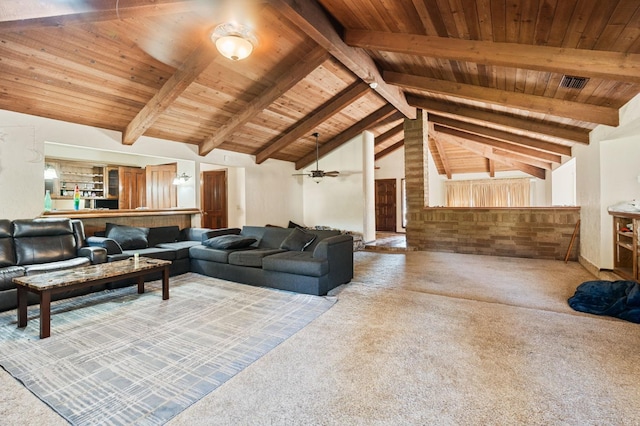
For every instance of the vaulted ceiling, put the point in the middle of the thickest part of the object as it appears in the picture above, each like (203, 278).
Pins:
(507, 84)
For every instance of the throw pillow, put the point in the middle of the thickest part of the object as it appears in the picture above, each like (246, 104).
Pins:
(294, 225)
(129, 237)
(298, 240)
(163, 234)
(229, 242)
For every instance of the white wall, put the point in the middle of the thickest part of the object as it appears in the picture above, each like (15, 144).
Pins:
(272, 195)
(338, 202)
(21, 171)
(436, 185)
(563, 184)
(607, 171)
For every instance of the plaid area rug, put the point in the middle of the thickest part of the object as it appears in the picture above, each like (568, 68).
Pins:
(116, 357)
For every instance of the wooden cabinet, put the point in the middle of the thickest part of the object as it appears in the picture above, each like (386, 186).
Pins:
(625, 244)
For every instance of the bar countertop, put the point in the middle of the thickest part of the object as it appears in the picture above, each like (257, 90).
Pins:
(98, 213)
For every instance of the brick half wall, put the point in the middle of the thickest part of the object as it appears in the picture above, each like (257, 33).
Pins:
(537, 232)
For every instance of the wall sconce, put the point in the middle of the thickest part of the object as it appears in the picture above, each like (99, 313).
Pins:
(50, 172)
(181, 179)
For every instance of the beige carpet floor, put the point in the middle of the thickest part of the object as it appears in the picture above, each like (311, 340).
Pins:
(430, 338)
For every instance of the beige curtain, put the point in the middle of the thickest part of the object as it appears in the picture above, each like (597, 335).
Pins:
(458, 193)
(488, 193)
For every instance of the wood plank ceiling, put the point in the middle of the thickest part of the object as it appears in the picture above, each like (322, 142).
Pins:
(490, 74)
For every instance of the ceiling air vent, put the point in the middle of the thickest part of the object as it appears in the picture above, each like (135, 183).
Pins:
(573, 82)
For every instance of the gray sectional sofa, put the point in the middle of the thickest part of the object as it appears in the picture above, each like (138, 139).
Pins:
(163, 242)
(276, 258)
(311, 262)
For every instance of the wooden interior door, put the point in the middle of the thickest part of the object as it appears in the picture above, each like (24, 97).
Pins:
(132, 191)
(161, 192)
(386, 205)
(214, 199)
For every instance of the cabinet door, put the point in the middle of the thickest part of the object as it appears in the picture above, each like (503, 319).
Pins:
(132, 191)
(161, 192)
(112, 182)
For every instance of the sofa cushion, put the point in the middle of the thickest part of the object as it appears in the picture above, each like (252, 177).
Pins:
(129, 237)
(225, 242)
(251, 258)
(212, 255)
(60, 265)
(296, 262)
(43, 240)
(180, 247)
(162, 234)
(8, 274)
(154, 252)
(298, 240)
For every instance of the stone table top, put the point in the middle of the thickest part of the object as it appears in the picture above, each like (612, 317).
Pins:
(81, 274)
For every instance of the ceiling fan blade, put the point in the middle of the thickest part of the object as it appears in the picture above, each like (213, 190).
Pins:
(300, 174)
(332, 173)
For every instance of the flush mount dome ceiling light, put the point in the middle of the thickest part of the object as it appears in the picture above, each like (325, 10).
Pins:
(234, 41)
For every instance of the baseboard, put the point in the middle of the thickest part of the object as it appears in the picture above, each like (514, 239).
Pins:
(606, 274)
(593, 269)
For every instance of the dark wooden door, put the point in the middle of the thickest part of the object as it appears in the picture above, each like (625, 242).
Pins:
(161, 192)
(132, 191)
(386, 205)
(214, 199)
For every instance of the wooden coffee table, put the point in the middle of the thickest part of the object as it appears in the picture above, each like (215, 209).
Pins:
(46, 284)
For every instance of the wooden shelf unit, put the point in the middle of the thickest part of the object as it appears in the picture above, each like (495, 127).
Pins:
(93, 180)
(625, 244)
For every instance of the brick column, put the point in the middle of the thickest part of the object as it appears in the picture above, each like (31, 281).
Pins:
(416, 174)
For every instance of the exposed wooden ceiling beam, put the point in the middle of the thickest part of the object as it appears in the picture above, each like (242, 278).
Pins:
(350, 133)
(195, 64)
(389, 134)
(312, 20)
(329, 109)
(536, 144)
(287, 80)
(618, 66)
(523, 159)
(569, 134)
(36, 13)
(388, 150)
(504, 146)
(487, 152)
(434, 152)
(443, 156)
(557, 107)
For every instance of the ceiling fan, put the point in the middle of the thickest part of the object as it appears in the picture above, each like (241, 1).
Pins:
(318, 174)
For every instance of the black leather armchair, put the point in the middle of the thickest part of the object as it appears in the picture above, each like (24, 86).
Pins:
(34, 246)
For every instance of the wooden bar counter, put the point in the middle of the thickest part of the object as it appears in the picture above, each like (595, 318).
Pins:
(96, 220)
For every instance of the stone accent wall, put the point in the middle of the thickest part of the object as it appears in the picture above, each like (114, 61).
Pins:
(538, 232)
